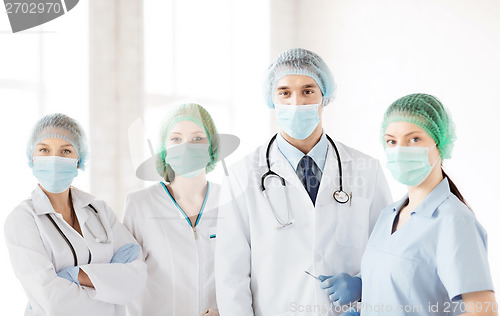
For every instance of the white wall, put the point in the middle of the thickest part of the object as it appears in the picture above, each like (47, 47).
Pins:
(214, 53)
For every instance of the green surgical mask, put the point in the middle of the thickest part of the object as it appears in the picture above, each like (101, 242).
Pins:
(187, 159)
(409, 165)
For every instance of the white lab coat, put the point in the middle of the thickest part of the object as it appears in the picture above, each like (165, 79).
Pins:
(37, 251)
(180, 266)
(260, 269)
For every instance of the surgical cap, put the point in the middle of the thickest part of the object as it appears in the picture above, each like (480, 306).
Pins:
(427, 112)
(61, 126)
(299, 61)
(187, 112)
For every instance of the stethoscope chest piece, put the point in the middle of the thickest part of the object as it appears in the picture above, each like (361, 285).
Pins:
(341, 196)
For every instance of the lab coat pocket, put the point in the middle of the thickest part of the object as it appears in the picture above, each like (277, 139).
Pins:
(212, 236)
(352, 225)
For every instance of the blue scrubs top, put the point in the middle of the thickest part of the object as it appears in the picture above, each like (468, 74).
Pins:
(425, 266)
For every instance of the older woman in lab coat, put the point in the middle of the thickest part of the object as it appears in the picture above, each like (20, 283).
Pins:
(175, 221)
(67, 248)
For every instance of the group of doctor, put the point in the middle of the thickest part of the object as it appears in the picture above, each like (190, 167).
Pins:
(304, 225)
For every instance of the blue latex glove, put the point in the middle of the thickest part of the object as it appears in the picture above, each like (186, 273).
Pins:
(70, 274)
(341, 288)
(351, 312)
(127, 253)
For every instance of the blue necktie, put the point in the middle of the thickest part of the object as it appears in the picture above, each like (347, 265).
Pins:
(309, 179)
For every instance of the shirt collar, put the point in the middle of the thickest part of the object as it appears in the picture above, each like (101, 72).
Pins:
(437, 196)
(293, 155)
(431, 202)
(42, 205)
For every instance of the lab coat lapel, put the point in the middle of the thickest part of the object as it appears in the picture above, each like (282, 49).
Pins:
(330, 179)
(81, 200)
(282, 167)
(41, 203)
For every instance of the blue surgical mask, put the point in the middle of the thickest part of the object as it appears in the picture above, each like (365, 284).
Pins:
(188, 160)
(55, 174)
(298, 121)
(409, 165)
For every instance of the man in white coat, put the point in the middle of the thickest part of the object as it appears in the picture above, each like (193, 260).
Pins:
(301, 202)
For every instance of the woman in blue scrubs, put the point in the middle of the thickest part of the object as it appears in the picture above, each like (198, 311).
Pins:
(427, 253)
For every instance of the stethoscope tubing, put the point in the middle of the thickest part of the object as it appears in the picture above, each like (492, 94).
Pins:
(75, 259)
(73, 251)
(270, 172)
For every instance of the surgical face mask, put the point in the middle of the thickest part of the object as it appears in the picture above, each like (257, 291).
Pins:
(188, 160)
(298, 121)
(55, 174)
(409, 165)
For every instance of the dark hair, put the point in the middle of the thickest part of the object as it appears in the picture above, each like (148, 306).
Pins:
(454, 190)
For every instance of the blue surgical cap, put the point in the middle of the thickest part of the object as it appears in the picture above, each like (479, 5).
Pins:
(61, 126)
(299, 61)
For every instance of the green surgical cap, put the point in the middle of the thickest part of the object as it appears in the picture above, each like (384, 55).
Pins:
(427, 112)
(187, 112)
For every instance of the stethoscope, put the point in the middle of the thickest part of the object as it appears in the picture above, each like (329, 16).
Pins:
(340, 195)
(97, 240)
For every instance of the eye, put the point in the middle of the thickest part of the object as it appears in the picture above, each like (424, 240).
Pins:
(66, 151)
(390, 142)
(414, 140)
(175, 139)
(284, 93)
(198, 138)
(43, 150)
(308, 91)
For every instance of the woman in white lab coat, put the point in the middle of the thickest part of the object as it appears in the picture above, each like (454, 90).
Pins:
(67, 248)
(175, 220)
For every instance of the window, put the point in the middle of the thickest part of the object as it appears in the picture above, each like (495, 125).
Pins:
(43, 70)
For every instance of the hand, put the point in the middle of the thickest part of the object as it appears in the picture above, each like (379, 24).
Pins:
(210, 312)
(70, 274)
(127, 253)
(341, 288)
(84, 279)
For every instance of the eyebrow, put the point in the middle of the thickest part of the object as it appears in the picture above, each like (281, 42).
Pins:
(310, 85)
(306, 86)
(43, 144)
(193, 133)
(415, 132)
